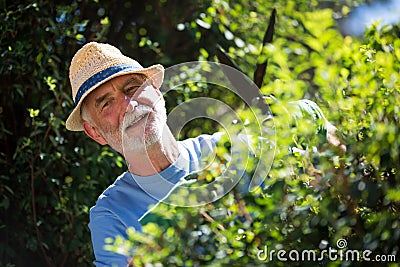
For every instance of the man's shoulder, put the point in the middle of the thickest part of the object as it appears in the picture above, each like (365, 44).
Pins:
(105, 197)
(126, 198)
(201, 142)
(200, 139)
(116, 196)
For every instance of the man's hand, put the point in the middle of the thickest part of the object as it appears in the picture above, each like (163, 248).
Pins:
(332, 137)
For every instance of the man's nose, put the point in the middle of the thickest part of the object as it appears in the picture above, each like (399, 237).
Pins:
(130, 104)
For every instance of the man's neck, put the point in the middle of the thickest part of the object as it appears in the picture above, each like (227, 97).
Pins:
(155, 157)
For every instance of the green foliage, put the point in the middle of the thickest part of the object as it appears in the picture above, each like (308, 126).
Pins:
(51, 177)
(311, 200)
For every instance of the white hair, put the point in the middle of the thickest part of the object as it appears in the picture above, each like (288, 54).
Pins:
(85, 113)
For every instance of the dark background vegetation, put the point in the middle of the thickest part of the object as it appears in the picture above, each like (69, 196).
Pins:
(51, 177)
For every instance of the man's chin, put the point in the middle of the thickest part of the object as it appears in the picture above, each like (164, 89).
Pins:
(135, 144)
(148, 132)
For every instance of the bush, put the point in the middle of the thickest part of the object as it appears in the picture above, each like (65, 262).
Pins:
(320, 199)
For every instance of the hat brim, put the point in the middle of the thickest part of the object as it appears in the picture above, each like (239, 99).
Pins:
(155, 73)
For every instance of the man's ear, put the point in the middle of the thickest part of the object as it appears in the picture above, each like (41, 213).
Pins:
(93, 133)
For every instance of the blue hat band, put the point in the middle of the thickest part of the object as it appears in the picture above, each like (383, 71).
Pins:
(101, 76)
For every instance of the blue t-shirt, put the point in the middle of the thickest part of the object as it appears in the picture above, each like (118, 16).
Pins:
(130, 197)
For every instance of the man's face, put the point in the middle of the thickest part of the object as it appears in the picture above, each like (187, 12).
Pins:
(128, 113)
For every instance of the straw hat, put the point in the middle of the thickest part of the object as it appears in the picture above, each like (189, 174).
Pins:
(95, 64)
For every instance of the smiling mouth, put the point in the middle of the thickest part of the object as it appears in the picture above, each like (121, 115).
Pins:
(136, 120)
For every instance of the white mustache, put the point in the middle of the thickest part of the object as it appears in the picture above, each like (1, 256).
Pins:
(132, 117)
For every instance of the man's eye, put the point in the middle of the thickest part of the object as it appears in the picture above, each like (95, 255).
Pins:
(106, 104)
(132, 88)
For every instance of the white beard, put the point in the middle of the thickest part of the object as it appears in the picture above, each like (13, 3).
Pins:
(148, 132)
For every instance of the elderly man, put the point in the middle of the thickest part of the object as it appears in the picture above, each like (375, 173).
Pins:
(119, 103)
